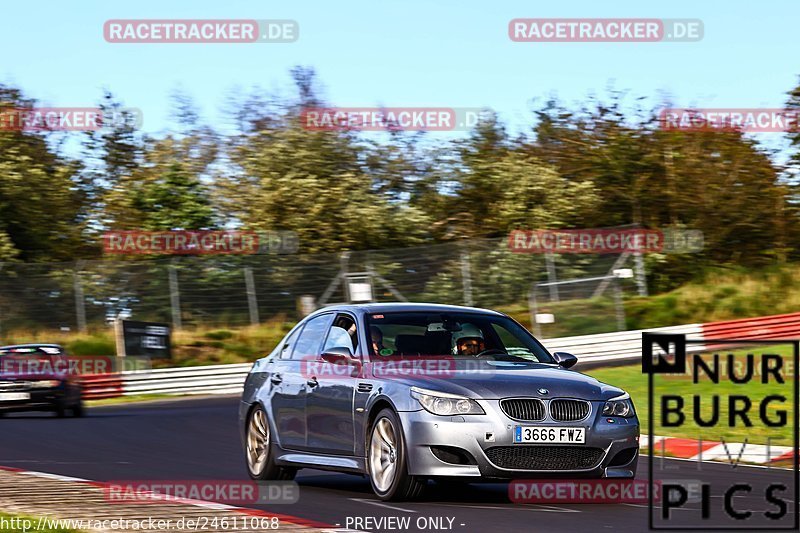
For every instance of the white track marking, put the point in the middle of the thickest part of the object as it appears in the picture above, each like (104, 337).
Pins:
(381, 504)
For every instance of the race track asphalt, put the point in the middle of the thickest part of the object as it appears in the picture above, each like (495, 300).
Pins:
(198, 439)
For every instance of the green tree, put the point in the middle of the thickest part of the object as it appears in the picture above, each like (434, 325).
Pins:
(42, 203)
(315, 183)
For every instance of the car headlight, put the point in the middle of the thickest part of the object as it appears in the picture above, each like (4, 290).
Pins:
(619, 406)
(441, 403)
(45, 384)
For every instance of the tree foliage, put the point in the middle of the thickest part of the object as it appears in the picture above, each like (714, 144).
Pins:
(603, 164)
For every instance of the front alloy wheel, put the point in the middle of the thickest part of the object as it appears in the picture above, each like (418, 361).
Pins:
(388, 471)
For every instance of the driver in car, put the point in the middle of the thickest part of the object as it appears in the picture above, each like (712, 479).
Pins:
(468, 341)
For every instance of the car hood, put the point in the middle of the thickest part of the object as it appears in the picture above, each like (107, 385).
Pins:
(495, 380)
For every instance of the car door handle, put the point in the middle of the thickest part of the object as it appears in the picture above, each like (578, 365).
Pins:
(312, 382)
(276, 379)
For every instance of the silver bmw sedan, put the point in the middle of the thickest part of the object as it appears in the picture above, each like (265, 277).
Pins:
(405, 393)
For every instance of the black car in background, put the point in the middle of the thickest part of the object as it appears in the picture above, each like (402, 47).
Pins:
(36, 377)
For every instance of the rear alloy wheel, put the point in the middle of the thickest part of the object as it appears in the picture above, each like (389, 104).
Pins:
(386, 460)
(260, 464)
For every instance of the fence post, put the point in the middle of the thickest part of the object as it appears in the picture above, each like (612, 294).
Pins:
(620, 309)
(1, 308)
(252, 303)
(466, 277)
(551, 276)
(80, 303)
(641, 278)
(340, 278)
(533, 309)
(174, 296)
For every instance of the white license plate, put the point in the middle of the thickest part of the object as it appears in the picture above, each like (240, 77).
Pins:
(549, 435)
(11, 396)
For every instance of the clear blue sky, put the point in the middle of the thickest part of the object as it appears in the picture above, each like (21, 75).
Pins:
(402, 53)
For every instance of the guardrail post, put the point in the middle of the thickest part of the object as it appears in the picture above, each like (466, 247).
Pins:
(252, 302)
(174, 296)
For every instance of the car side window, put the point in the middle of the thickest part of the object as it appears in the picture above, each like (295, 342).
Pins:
(343, 334)
(310, 340)
(284, 350)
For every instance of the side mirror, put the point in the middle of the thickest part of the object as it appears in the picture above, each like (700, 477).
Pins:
(339, 355)
(565, 359)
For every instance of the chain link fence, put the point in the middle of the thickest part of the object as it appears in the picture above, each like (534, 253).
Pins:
(215, 291)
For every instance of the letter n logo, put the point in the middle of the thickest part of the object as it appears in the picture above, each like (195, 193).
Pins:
(663, 353)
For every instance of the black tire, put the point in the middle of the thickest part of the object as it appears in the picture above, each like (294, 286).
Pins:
(78, 410)
(60, 410)
(265, 469)
(402, 485)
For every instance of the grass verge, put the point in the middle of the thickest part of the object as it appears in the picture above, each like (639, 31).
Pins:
(138, 398)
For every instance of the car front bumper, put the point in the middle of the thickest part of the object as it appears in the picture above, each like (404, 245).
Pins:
(40, 400)
(611, 448)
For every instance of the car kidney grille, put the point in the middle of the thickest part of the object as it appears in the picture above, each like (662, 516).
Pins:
(523, 408)
(545, 457)
(569, 410)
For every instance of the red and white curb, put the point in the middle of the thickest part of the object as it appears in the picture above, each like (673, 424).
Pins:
(20, 499)
(707, 450)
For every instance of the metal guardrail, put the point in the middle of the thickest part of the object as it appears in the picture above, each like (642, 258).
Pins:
(215, 379)
(604, 349)
(761, 328)
(101, 386)
(620, 347)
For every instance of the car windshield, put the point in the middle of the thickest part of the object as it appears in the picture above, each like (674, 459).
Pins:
(452, 334)
(15, 359)
(42, 352)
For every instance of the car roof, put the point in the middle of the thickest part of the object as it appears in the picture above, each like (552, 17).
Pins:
(409, 307)
(31, 345)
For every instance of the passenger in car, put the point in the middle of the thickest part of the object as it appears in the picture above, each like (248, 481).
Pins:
(376, 335)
